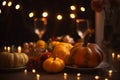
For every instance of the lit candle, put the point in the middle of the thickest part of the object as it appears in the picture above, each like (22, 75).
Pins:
(97, 77)
(110, 72)
(65, 75)
(113, 55)
(106, 78)
(5, 48)
(19, 49)
(8, 49)
(78, 78)
(33, 70)
(78, 74)
(25, 71)
(37, 76)
(118, 56)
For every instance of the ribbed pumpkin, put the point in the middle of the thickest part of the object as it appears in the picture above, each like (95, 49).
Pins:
(62, 50)
(86, 56)
(53, 65)
(12, 60)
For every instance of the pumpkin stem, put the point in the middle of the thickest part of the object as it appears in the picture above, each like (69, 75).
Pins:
(54, 57)
(87, 37)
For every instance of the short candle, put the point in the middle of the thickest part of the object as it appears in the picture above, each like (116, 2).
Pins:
(97, 77)
(78, 74)
(38, 76)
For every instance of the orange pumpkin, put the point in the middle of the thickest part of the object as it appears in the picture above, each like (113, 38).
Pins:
(62, 50)
(86, 56)
(53, 65)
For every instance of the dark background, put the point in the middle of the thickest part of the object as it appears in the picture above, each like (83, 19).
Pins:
(16, 27)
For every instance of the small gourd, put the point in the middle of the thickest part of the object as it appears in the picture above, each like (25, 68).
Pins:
(53, 65)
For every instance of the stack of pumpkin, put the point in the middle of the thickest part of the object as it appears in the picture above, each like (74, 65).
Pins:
(57, 55)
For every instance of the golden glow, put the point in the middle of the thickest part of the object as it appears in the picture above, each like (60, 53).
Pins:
(4, 3)
(72, 16)
(31, 14)
(59, 17)
(97, 77)
(82, 9)
(44, 14)
(0, 11)
(17, 6)
(44, 20)
(72, 7)
(9, 3)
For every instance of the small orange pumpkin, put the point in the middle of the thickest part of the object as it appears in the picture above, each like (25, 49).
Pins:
(53, 65)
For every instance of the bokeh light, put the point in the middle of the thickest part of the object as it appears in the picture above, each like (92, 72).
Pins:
(82, 9)
(59, 17)
(17, 6)
(72, 15)
(4, 3)
(45, 14)
(72, 7)
(9, 4)
(31, 14)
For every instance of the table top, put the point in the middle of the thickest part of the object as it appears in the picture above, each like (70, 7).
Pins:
(71, 75)
(103, 73)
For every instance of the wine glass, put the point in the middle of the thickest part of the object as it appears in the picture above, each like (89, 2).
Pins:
(40, 26)
(82, 25)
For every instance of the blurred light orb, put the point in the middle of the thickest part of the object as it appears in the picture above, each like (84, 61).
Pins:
(17, 6)
(44, 14)
(9, 3)
(59, 17)
(4, 3)
(0, 11)
(31, 14)
(72, 7)
(72, 16)
(82, 9)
